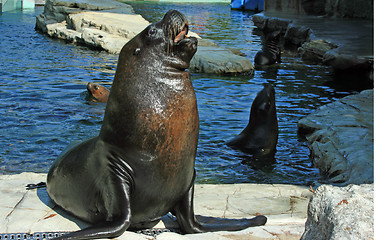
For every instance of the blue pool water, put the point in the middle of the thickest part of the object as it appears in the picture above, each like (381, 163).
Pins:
(44, 108)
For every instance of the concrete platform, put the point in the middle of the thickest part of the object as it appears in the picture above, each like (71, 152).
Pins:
(30, 211)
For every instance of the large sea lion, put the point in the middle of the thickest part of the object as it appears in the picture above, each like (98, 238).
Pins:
(271, 50)
(261, 133)
(141, 166)
(98, 92)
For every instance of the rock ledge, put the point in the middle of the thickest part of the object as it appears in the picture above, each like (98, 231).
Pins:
(108, 25)
(341, 138)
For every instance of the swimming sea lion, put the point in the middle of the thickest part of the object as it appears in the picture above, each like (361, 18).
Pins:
(98, 92)
(141, 166)
(261, 133)
(271, 51)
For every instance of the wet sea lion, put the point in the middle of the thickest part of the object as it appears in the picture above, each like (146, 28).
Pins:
(261, 133)
(271, 50)
(141, 166)
(98, 92)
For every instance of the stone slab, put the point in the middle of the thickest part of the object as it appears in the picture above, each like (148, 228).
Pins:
(29, 211)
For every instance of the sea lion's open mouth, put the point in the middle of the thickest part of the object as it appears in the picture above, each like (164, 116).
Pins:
(183, 34)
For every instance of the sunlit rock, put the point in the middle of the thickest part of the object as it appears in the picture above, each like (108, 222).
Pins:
(341, 139)
(341, 213)
(108, 25)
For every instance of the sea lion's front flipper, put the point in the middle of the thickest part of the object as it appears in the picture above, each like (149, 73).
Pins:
(189, 223)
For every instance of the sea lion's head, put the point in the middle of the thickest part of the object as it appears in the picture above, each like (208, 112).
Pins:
(164, 44)
(98, 92)
(263, 104)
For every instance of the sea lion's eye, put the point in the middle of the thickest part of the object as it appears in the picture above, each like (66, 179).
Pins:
(137, 51)
(152, 31)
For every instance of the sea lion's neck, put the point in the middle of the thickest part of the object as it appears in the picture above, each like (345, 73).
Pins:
(143, 88)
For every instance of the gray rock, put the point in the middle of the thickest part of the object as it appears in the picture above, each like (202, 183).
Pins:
(340, 135)
(93, 5)
(341, 213)
(295, 36)
(222, 61)
(126, 26)
(99, 39)
(270, 24)
(77, 15)
(108, 25)
(313, 52)
(59, 9)
(350, 69)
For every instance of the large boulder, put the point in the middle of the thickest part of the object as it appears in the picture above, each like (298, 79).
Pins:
(58, 10)
(341, 213)
(100, 30)
(108, 25)
(351, 70)
(270, 24)
(293, 35)
(217, 60)
(313, 52)
(341, 139)
(296, 35)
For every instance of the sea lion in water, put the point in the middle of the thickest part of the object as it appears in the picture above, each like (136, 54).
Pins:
(261, 133)
(271, 51)
(98, 92)
(141, 166)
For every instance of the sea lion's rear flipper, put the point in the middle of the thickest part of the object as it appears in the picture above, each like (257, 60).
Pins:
(118, 213)
(108, 229)
(189, 223)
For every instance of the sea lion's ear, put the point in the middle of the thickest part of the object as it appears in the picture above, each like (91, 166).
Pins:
(136, 51)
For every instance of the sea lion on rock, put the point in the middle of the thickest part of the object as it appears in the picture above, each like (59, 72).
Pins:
(141, 166)
(271, 51)
(98, 92)
(261, 133)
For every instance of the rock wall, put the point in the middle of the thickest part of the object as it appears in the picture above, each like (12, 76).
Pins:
(341, 139)
(293, 36)
(339, 8)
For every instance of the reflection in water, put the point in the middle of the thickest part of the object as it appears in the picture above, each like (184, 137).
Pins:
(43, 105)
